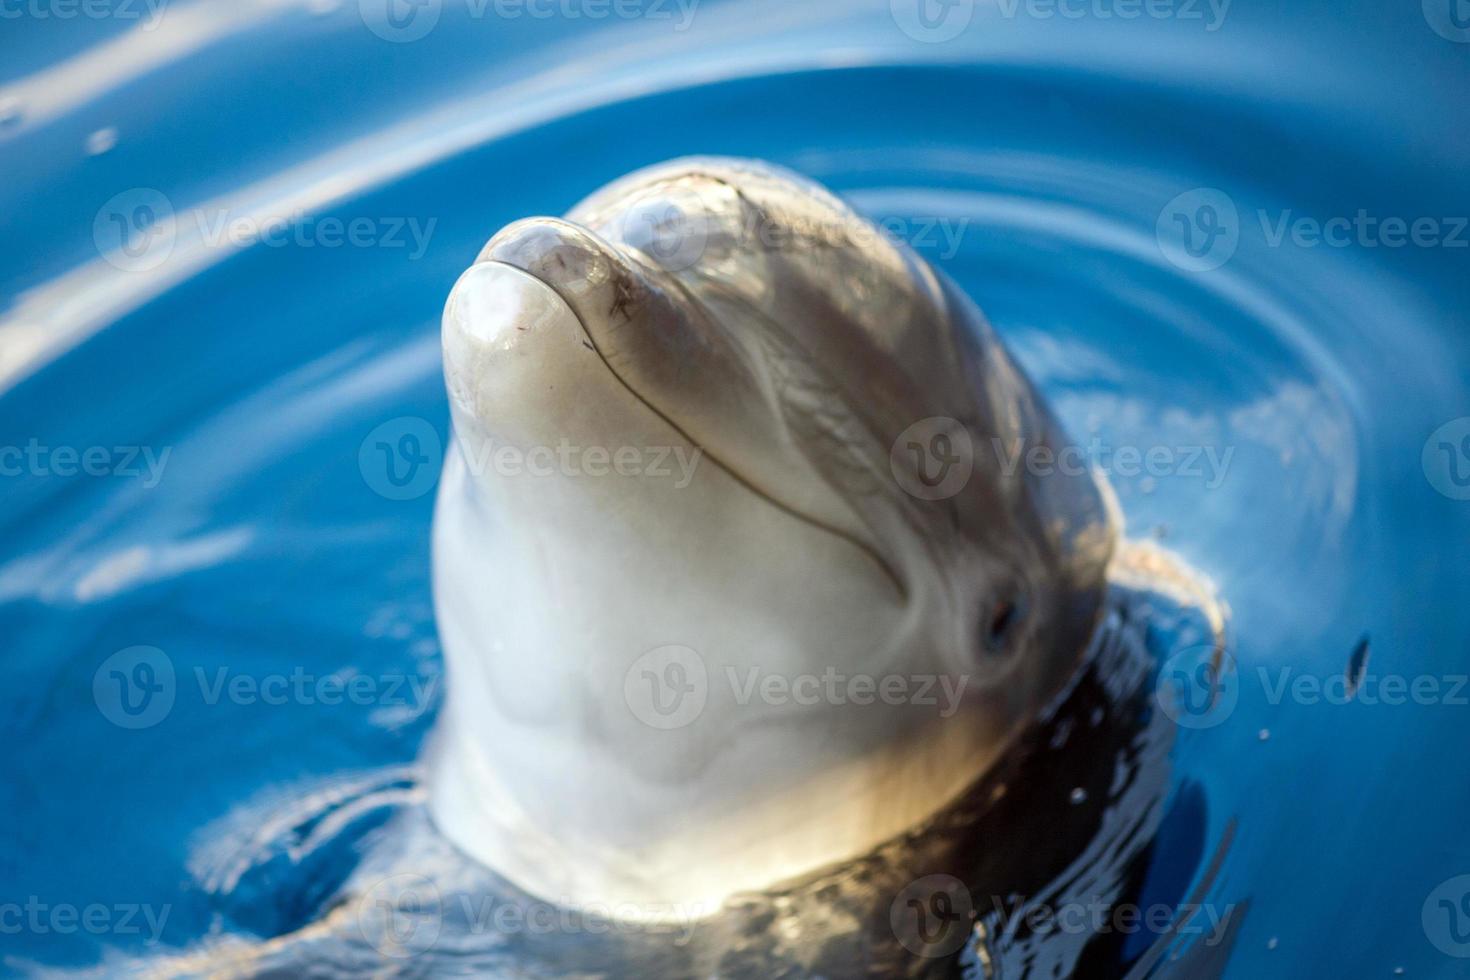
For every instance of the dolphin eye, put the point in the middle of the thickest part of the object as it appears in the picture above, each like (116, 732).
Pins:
(1003, 617)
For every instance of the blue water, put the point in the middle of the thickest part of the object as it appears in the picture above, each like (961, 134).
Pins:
(268, 543)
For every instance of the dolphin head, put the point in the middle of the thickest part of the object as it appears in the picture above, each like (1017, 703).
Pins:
(737, 569)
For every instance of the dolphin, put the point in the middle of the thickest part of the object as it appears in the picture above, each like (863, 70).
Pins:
(731, 582)
(765, 659)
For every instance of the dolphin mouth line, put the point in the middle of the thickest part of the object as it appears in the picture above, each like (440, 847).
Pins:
(820, 370)
(889, 571)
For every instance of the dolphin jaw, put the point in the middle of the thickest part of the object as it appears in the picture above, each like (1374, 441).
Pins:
(780, 555)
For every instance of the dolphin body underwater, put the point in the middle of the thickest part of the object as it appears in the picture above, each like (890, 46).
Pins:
(831, 693)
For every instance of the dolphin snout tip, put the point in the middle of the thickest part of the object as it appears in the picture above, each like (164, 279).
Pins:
(497, 305)
(503, 327)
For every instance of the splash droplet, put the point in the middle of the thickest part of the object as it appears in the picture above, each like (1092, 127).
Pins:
(1062, 733)
(1272, 943)
(1357, 665)
(101, 141)
(1079, 796)
(1264, 735)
